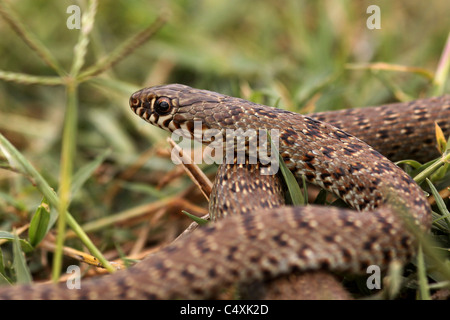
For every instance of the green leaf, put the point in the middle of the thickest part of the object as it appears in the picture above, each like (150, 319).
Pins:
(144, 188)
(321, 197)
(430, 168)
(413, 163)
(440, 138)
(305, 190)
(441, 74)
(25, 245)
(440, 202)
(294, 190)
(3, 278)
(200, 221)
(2, 265)
(422, 276)
(20, 265)
(39, 223)
(85, 172)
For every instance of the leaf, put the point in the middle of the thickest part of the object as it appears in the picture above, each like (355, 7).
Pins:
(413, 163)
(321, 197)
(427, 169)
(294, 191)
(25, 245)
(440, 138)
(199, 220)
(39, 223)
(439, 202)
(3, 277)
(20, 266)
(422, 276)
(85, 172)
(144, 188)
(3, 280)
(305, 190)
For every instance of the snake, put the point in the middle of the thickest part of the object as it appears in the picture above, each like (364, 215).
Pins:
(256, 237)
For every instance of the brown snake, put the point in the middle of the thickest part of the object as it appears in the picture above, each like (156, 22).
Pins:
(271, 240)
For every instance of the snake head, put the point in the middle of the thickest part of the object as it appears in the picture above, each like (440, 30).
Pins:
(156, 105)
(177, 106)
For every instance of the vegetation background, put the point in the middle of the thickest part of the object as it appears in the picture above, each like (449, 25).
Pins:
(62, 105)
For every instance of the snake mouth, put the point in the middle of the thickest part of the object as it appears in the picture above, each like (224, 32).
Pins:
(142, 109)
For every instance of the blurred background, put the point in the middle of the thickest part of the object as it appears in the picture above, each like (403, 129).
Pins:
(303, 56)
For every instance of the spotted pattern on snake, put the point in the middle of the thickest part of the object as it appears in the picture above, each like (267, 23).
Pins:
(277, 240)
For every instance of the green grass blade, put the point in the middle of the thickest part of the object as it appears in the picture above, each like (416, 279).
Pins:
(66, 171)
(25, 245)
(85, 172)
(39, 223)
(2, 265)
(24, 78)
(4, 280)
(23, 274)
(199, 220)
(305, 190)
(432, 168)
(294, 191)
(422, 276)
(145, 188)
(110, 126)
(413, 163)
(321, 197)
(29, 38)
(18, 162)
(441, 75)
(124, 50)
(439, 202)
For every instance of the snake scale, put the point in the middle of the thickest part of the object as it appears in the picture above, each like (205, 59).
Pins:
(261, 238)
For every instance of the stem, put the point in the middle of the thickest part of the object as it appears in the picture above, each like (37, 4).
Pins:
(67, 156)
(442, 70)
(29, 38)
(425, 173)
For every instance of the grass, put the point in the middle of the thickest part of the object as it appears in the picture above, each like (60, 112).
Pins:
(64, 103)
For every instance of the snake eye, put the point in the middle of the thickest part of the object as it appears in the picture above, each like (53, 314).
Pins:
(163, 105)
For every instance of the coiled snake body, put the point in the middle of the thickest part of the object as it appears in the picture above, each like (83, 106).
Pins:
(266, 239)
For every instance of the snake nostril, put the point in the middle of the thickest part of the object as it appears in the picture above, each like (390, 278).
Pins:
(134, 102)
